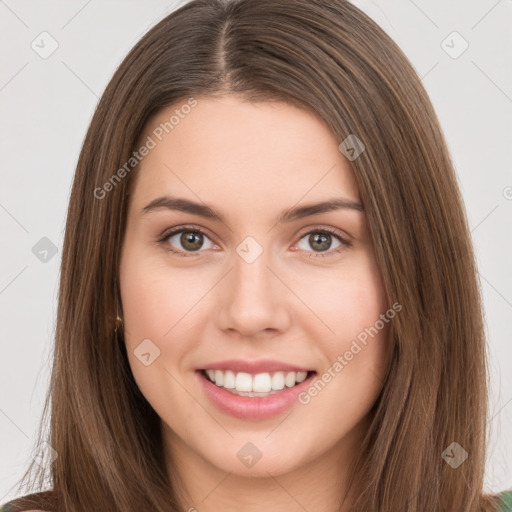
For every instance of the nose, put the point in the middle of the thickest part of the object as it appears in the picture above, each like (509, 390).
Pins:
(254, 300)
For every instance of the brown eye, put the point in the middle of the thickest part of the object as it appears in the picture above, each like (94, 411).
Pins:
(321, 242)
(185, 240)
(191, 241)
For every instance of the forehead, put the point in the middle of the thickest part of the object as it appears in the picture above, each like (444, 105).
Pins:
(229, 151)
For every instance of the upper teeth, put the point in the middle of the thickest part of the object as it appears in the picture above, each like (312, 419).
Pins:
(260, 383)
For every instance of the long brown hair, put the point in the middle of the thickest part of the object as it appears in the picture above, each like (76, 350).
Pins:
(329, 57)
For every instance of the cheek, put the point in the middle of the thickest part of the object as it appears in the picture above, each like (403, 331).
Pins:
(347, 300)
(348, 385)
(355, 351)
(159, 305)
(155, 318)
(155, 298)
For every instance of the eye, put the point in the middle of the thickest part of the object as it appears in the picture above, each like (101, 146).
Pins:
(321, 239)
(192, 239)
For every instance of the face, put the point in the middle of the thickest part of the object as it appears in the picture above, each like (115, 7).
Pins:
(293, 305)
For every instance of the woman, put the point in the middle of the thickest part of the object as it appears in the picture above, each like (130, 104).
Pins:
(268, 295)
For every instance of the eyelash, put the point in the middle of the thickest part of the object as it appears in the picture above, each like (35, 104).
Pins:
(328, 231)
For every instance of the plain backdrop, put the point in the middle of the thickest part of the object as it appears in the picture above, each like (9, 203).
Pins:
(57, 58)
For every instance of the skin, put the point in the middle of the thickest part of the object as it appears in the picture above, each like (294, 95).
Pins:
(251, 162)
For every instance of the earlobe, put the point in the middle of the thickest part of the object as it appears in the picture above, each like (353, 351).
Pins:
(118, 326)
(119, 323)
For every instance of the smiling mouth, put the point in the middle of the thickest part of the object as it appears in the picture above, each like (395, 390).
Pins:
(255, 385)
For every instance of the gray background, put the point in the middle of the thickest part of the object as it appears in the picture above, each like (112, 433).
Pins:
(47, 103)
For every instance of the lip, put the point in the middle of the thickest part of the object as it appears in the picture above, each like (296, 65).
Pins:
(254, 367)
(252, 408)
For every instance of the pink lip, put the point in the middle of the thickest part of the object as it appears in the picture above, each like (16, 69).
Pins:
(252, 408)
(254, 367)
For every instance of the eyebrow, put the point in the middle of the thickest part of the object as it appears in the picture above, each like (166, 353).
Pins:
(203, 210)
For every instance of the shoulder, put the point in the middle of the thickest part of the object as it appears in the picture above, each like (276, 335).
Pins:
(35, 502)
(505, 501)
(6, 508)
(14, 506)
